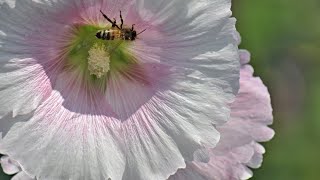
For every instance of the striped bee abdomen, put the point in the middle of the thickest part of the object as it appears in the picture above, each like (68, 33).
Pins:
(109, 34)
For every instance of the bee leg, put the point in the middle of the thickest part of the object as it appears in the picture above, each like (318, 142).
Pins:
(114, 24)
(132, 27)
(121, 21)
(106, 17)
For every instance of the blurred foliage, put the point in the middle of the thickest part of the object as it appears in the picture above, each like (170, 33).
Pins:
(283, 37)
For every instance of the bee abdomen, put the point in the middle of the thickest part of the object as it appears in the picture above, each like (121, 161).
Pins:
(104, 35)
(109, 35)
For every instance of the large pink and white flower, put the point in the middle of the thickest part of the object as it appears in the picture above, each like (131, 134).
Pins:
(78, 107)
(238, 148)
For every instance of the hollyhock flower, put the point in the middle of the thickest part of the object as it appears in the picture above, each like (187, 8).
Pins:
(76, 105)
(238, 148)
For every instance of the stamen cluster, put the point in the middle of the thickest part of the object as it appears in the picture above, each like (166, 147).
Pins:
(98, 60)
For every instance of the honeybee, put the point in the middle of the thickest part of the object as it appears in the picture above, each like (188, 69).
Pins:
(116, 32)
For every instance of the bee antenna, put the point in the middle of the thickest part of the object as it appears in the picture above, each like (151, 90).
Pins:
(141, 32)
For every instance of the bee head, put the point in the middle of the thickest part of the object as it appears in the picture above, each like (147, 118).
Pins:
(133, 35)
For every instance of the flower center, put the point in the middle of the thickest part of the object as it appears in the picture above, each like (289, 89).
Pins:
(98, 60)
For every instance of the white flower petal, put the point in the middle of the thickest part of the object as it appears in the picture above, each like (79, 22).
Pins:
(8, 121)
(18, 72)
(66, 145)
(11, 3)
(251, 112)
(244, 56)
(9, 166)
(257, 158)
(29, 85)
(22, 176)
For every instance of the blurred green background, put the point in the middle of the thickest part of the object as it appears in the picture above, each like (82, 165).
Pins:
(283, 37)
